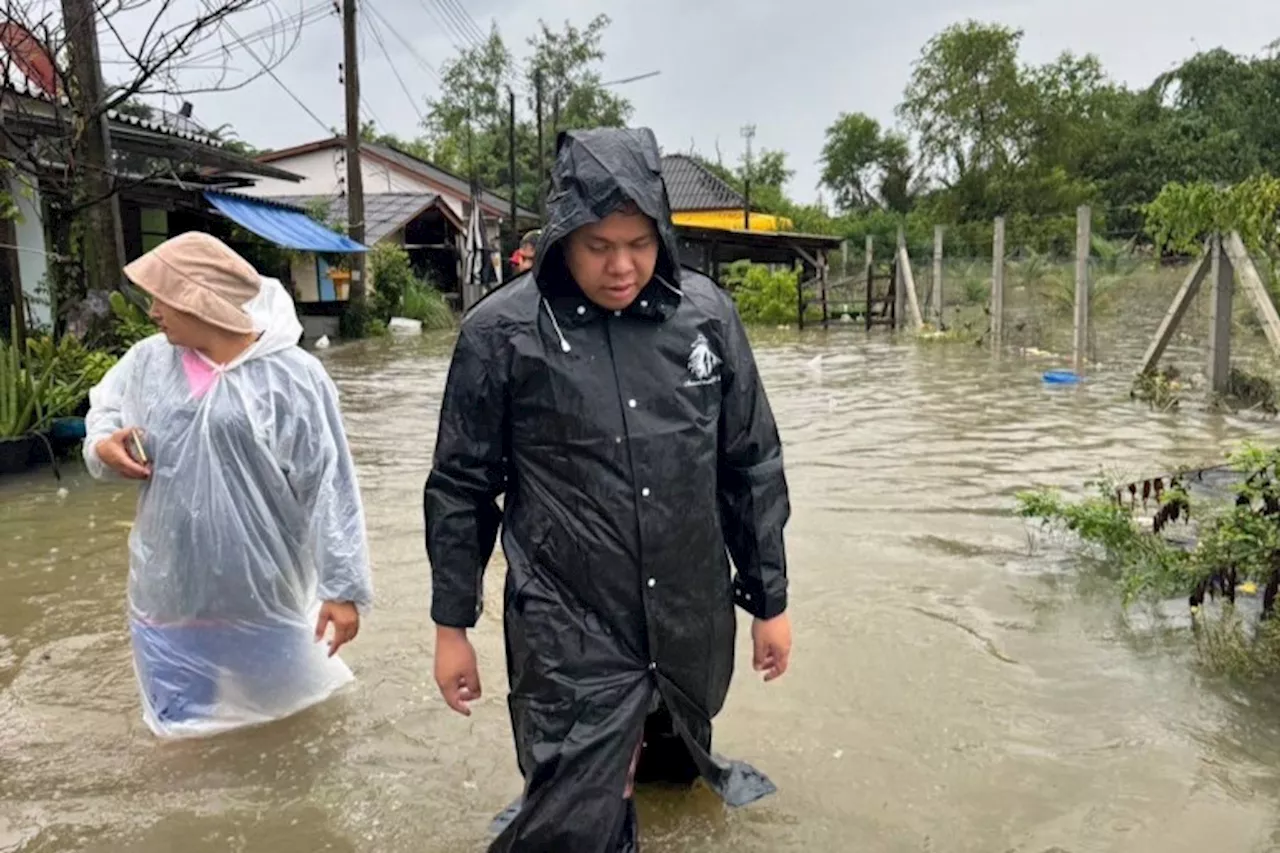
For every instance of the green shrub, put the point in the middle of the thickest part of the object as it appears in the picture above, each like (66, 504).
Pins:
(424, 303)
(392, 276)
(762, 295)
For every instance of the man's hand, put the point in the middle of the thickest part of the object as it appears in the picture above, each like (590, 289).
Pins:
(457, 675)
(114, 453)
(772, 641)
(344, 618)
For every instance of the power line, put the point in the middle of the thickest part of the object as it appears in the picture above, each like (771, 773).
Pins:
(304, 18)
(460, 39)
(461, 13)
(272, 74)
(423, 63)
(377, 37)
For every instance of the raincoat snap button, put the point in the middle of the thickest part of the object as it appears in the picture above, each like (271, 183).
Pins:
(652, 666)
(631, 403)
(652, 583)
(617, 313)
(644, 492)
(582, 309)
(644, 303)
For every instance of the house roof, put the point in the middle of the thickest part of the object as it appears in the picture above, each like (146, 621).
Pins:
(384, 213)
(405, 162)
(692, 186)
(139, 135)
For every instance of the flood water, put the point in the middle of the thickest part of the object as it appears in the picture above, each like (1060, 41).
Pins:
(951, 689)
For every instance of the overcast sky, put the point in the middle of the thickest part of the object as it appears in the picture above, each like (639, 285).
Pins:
(787, 66)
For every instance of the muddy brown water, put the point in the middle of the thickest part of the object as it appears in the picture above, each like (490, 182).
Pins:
(951, 690)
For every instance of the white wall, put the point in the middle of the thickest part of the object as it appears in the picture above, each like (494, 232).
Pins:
(324, 173)
(32, 261)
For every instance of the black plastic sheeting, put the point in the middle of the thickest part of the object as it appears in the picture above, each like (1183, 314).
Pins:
(631, 450)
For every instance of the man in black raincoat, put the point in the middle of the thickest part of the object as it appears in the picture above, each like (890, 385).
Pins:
(612, 398)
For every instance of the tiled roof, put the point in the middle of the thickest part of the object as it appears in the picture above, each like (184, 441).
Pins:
(692, 186)
(15, 81)
(383, 212)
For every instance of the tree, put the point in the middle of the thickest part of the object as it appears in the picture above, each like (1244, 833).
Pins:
(467, 126)
(967, 100)
(58, 129)
(866, 166)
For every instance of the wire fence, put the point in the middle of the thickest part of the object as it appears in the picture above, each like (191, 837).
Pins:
(1130, 292)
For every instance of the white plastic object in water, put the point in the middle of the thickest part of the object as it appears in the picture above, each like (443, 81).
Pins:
(250, 520)
(404, 326)
(322, 342)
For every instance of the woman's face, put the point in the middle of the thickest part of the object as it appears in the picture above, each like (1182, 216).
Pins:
(182, 329)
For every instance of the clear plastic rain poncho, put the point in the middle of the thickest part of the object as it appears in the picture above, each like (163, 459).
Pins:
(251, 518)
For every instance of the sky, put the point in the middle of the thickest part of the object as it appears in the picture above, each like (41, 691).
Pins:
(788, 68)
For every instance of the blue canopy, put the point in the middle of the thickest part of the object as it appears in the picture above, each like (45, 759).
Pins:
(288, 228)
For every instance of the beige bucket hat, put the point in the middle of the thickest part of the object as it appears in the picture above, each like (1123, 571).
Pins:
(198, 274)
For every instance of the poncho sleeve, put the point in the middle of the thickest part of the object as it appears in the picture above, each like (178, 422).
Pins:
(468, 474)
(754, 502)
(322, 473)
(106, 411)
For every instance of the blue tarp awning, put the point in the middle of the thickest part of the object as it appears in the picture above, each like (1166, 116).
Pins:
(288, 228)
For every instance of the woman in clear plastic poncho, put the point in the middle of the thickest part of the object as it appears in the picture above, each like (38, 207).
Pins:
(249, 542)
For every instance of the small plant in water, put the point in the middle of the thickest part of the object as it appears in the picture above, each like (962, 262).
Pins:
(1234, 546)
(1161, 389)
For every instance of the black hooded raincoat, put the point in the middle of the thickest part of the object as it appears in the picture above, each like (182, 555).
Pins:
(636, 452)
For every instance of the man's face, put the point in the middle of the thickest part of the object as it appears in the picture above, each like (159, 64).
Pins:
(613, 260)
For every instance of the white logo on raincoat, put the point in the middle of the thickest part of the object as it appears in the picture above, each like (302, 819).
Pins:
(702, 362)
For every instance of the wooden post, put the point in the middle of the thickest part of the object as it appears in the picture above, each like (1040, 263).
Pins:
(909, 285)
(1220, 319)
(1181, 302)
(1084, 234)
(936, 298)
(899, 288)
(822, 283)
(799, 292)
(870, 268)
(997, 285)
(1254, 289)
(844, 259)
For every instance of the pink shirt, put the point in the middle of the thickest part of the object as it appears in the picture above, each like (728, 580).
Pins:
(200, 373)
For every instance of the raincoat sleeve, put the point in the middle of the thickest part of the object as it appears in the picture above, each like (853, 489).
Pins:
(754, 502)
(468, 475)
(106, 411)
(320, 470)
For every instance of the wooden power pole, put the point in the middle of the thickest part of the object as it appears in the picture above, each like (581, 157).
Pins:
(355, 176)
(103, 235)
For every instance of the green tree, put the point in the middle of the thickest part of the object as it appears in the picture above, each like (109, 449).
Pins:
(867, 166)
(967, 100)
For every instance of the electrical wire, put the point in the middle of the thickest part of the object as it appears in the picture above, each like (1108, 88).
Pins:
(272, 74)
(468, 22)
(423, 63)
(382, 45)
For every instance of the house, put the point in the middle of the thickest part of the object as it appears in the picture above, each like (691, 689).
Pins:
(710, 222)
(701, 198)
(408, 201)
(172, 177)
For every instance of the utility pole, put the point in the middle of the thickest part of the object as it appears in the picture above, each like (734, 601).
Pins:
(748, 133)
(542, 163)
(511, 154)
(103, 235)
(355, 175)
